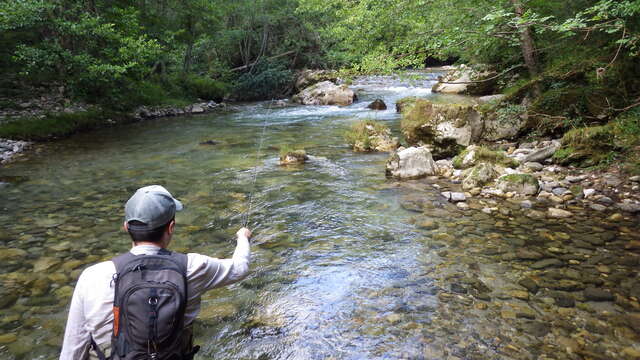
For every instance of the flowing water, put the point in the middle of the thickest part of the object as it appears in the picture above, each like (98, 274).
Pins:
(346, 263)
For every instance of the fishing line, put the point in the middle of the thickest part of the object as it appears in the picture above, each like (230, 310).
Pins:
(247, 214)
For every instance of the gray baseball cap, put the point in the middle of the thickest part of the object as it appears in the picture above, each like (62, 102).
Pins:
(152, 205)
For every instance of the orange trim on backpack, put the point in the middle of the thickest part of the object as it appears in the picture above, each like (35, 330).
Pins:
(116, 320)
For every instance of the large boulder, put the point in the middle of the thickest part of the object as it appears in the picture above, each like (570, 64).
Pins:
(442, 127)
(503, 123)
(466, 80)
(523, 184)
(325, 93)
(307, 78)
(411, 163)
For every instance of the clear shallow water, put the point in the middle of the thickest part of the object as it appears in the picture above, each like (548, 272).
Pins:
(346, 264)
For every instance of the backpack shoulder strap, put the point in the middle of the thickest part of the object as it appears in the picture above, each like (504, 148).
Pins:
(179, 258)
(122, 260)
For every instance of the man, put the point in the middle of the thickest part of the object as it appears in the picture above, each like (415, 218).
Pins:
(149, 219)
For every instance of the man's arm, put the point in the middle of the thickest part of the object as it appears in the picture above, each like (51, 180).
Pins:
(206, 273)
(76, 337)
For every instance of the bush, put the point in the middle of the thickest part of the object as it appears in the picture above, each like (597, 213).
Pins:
(205, 88)
(266, 80)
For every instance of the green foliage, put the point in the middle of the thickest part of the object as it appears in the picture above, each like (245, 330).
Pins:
(56, 125)
(205, 88)
(267, 80)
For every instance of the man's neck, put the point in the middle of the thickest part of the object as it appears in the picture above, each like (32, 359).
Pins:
(158, 244)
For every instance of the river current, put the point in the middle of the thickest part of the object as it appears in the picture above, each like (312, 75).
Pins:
(346, 264)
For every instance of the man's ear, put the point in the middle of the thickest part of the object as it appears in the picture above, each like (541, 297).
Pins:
(171, 227)
(125, 226)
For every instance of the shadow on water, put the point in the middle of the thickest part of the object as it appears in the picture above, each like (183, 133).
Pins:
(346, 264)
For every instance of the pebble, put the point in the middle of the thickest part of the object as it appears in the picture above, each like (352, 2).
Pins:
(616, 217)
(598, 207)
(526, 204)
(635, 178)
(559, 191)
(529, 284)
(559, 213)
(8, 338)
(596, 294)
(588, 192)
(546, 263)
(574, 179)
(462, 206)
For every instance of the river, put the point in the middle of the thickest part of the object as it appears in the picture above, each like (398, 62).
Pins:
(346, 263)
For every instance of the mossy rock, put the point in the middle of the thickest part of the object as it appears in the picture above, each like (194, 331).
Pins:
(479, 175)
(473, 155)
(289, 156)
(405, 104)
(524, 184)
(442, 127)
(369, 135)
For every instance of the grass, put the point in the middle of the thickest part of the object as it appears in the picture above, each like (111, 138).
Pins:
(58, 125)
(359, 137)
(290, 150)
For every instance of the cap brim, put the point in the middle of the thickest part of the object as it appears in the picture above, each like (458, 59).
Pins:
(179, 206)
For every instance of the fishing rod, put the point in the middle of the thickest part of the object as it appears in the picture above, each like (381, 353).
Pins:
(247, 213)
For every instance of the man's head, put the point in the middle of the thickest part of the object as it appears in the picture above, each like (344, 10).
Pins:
(150, 214)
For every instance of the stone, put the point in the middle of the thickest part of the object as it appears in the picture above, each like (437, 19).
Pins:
(368, 135)
(558, 213)
(411, 163)
(377, 104)
(462, 206)
(526, 204)
(596, 294)
(631, 353)
(629, 207)
(442, 127)
(293, 157)
(616, 217)
(635, 178)
(490, 98)
(310, 77)
(8, 254)
(465, 80)
(519, 294)
(479, 176)
(525, 254)
(44, 264)
(197, 109)
(598, 207)
(533, 166)
(454, 196)
(559, 191)
(325, 93)
(564, 300)
(529, 284)
(575, 179)
(427, 225)
(523, 184)
(588, 192)
(542, 264)
(8, 338)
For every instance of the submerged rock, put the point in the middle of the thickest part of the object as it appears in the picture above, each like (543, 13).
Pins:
(325, 93)
(411, 163)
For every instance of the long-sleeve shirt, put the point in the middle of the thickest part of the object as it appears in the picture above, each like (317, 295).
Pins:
(92, 302)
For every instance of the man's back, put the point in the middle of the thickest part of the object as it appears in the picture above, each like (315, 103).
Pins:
(92, 302)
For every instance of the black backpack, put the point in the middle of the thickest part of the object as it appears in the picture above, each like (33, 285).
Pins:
(148, 308)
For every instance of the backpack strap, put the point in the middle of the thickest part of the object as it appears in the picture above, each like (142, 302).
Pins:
(122, 260)
(96, 348)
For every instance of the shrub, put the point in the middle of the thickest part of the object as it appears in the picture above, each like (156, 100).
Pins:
(266, 80)
(205, 88)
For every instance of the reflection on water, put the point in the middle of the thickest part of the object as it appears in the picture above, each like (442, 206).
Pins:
(346, 264)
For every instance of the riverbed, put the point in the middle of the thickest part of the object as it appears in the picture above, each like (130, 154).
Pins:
(346, 263)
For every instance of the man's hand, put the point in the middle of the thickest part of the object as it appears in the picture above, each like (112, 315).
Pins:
(244, 233)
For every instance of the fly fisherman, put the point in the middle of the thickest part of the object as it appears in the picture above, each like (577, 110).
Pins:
(141, 305)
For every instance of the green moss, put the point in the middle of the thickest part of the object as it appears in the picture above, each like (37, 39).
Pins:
(601, 145)
(359, 135)
(484, 154)
(293, 151)
(423, 112)
(405, 104)
(520, 179)
(59, 124)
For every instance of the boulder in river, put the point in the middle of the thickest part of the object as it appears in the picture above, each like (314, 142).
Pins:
(480, 175)
(443, 127)
(411, 163)
(377, 104)
(473, 155)
(308, 77)
(325, 93)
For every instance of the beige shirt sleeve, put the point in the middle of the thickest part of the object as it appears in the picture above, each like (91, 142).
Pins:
(206, 273)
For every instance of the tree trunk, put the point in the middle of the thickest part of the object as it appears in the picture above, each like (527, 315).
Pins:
(527, 45)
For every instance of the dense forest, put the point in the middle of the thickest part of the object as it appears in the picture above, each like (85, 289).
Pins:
(566, 64)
